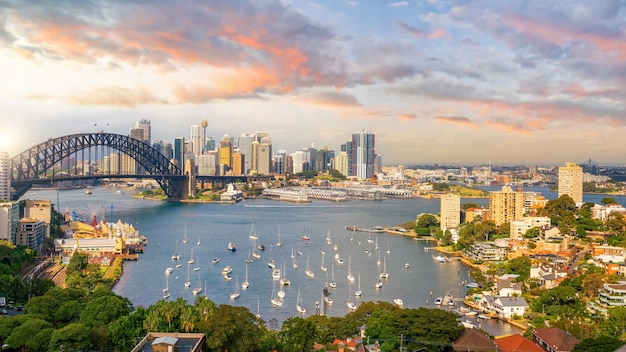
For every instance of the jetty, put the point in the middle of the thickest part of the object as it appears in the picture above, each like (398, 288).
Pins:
(375, 229)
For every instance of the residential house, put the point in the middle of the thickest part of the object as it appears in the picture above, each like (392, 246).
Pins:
(516, 343)
(474, 341)
(548, 275)
(602, 212)
(613, 295)
(482, 251)
(171, 342)
(554, 340)
(504, 307)
(508, 286)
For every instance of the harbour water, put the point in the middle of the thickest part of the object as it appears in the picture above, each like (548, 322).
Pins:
(210, 227)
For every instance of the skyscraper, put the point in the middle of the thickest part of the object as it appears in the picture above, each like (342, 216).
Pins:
(144, 125)
(450, 211)
(361, 155)
(264, 157)
(179, 152)
(245, 148)
(571, 181)
(5, 175)
(226, 151)
(506, 205)
(197, 143)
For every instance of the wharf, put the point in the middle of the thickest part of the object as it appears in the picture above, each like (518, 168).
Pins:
(489, 313)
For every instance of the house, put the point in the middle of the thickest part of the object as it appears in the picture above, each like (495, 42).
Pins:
(613, 295)
(481, 251)
(516, 343)
(507, 287)
(474, 341)
(548, 275)
(171, 342)
(505, 307)
(554, 340)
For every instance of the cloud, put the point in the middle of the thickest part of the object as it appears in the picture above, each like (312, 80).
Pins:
(421, 34)
(507, 125)
(457, 120)
(330, 99)
(398, 4)
(407, 117)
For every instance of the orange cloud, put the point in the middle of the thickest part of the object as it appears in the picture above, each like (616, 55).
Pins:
(457, 120)
(407, 117)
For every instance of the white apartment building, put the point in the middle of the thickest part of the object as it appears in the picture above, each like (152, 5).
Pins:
(450, 211)
(519, 227)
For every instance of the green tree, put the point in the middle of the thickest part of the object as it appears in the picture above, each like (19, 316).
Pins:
(78, 262)
(297, 334)
(127, 330)
(470, 205)
(608, 200)
(34, 334)
(44, 306)
(598, 344)
(426, 222)
(381, 327)
(533, 232)
(519, 266)
(234, 329)
(103, 310)
(73, 337)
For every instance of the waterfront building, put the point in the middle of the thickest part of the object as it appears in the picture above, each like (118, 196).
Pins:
(505, 307)
(9, 219)
(482, 251)
(286, 195)
(506, 205)
(5, 175)
(31, 233)
(519, 227)
(571, 182)
(362, 155)
(450, 211)
(197, 142)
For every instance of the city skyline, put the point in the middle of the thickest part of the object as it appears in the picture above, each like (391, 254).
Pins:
(446, 82)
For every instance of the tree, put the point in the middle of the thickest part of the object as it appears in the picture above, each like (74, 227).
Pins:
(598, 344)
(533, 232)
(608, 200)
(470, 205)
(234, 329)
(427, 221)
(44, 306)
(126, 330)
(297, 334)
(103, 310)
(33, 334)
(592, 283)
(519, 266)
(73, 336)
(78, 262)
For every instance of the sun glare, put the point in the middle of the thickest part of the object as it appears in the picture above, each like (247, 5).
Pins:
(5, 141)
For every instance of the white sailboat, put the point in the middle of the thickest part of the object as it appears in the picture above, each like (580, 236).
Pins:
(271, 262)
(350, 276)
(292, 255)
(278, 241)
(295, 263)
(255, 251)
(358, 290)
(378, 261)
(299, 306)
(190, 261)
(349, 303)
(258, 309)
(281, 293)
(248, 260)
(198, 243)
(167, 284)
(328, 240)
(308, 271)
(398, 301)
(176, 256)
(388, 251)
(197, 264)
(185, 240)
(332, 277)
(384, 274)
(323, 267)
(376, 243)
(245, 284)
(275, 300)
(235, 294)
(283, 280)
(188, 282)
(198, 288)
(253, 234)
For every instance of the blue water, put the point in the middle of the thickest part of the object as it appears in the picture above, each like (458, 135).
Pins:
(215, 225)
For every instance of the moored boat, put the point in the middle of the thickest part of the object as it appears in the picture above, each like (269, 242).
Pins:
(231, 247)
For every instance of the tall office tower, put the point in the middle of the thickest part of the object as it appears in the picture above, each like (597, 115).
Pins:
(205, 123)
(136, 133)
(158, 146)
(179, 152)
(279, 160)
(297, 160)
(321, 160)
(144, 124)
(362, 155)
(450, 211)
(226, 151)
(340, 163)
(506, 205)
(167, 151)
(239, 163)
(378, 164)
(245, 148)
(196, 140)
(9, 219)
(264, 157)
(288, 164)
(209, 144)
(5, 175)
(254, 156)
(571, 181)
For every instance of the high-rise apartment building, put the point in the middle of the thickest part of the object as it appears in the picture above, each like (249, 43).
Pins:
(197, 143)
(5, 175)
(361, 155)
(245, 148)
(450, 211)
(9, 219)
(506, 205)
(207, 164)
(264, 157)
(340, 163)
(144, 125)
(571, 181)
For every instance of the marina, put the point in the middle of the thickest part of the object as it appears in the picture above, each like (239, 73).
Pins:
(164, 225)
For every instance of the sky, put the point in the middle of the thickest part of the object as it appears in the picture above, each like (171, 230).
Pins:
(437, 81)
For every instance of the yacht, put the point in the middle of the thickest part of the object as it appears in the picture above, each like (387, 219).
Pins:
(308, 271)
(216, 260)
(245, 284)
(231, 247)
(332, 284)
(275, 300)
(358, 290)
(384, 274)
(276, 274)
(168, 271)
(235, 294)
(253, 234)
(398, 302)
(299, 306)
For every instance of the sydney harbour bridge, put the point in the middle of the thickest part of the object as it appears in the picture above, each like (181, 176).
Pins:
(39, 164)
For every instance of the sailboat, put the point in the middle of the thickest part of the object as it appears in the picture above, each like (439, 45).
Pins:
(305, 237)
(281, 293)
(185, 236)
(258, 309)
(332, 276)
(295, 263)
(197, 264)
(378, 261)
(308, 271)
(328, 240)
(271, 262)
(323, 267)
(235, 294)
(198, 243)
(166, 290)
(176, 256)
(384, 274)
(284, 280)
(245, 284)
(198, 288)
(278, 242)
(248, 260)
(358, 290)
(379, 283)
(255, 252)
(253, 234)
(299, 306)
(292, 255)
(349, 303)
(190, 261)
(350, 276)
(388, 251)
(275, 301)
(188, 282)
(376, 243)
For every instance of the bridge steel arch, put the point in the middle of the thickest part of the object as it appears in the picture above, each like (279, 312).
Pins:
(31, 166)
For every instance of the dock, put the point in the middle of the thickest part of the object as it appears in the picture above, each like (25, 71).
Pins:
(130, 256)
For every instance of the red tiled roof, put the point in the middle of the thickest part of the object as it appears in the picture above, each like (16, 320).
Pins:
(517, 343)
(560, 339)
